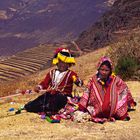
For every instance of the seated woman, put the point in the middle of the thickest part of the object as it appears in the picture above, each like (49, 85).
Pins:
(58, 84)
(107, 97)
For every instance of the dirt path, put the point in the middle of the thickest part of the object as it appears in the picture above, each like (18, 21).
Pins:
(30, 126)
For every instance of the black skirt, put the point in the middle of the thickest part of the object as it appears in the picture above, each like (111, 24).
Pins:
(47, 103)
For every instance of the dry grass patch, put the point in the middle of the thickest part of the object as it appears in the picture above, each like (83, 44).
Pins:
(31, 126)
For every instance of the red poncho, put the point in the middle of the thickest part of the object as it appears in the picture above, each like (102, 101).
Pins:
(106, 102)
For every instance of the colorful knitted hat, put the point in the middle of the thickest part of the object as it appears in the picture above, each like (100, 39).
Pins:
(64, 55)
(103, 59)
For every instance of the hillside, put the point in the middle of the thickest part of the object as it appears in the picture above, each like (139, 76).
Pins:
(30, 61)
(26, 69)
(29, 23)
(119, 21)
(26, 62)
(31, 126)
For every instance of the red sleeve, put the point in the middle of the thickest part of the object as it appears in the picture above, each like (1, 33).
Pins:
(46, 82)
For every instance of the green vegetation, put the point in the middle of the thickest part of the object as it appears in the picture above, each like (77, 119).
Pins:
(126, 56)
(126, 67)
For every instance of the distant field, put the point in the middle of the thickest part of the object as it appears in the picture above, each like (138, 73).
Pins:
(27, 62)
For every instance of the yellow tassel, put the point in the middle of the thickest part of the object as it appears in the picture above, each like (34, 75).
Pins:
(103, 83)
(113, 74)
(74, 78)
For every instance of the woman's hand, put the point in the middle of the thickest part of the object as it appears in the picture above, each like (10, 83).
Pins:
(37, 88)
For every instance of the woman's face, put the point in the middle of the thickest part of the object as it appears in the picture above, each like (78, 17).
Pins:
(104, 71)
(62, 66)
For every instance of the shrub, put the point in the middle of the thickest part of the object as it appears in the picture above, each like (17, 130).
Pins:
(125, 55)
(126, 67)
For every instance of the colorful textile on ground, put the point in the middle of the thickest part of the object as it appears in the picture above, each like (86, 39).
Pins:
(69, 109)
(52, 120)
(65, 113)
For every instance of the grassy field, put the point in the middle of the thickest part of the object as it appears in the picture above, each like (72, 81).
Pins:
(30, 126)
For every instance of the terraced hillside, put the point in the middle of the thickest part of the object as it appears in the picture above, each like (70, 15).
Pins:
(27, 62)
(30, 61)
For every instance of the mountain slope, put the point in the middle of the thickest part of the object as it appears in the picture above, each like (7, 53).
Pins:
(122, 18)
(27, 23)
